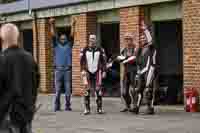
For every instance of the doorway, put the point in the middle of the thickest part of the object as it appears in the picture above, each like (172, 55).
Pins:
(28, 40)
(109, 33)
(168, 40)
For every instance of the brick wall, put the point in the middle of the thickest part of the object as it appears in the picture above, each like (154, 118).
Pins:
(191, 36)
(44, 52)
(129, 22)
(86, 24)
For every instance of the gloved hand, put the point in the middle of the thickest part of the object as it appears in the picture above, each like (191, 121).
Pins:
(109, 65)
(125, 61)
(83, 73)
(103, 74)
(129, 60)
(119, 58)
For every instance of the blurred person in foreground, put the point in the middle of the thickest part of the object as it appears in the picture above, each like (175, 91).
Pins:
(19, 81)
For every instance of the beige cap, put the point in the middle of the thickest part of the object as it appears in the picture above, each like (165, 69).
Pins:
(92, 36)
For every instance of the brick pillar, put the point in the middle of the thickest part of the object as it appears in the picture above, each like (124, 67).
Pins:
(86, 24)
(191, 43)
(35, 51)
(44, 52)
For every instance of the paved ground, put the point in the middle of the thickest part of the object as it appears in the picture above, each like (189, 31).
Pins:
(168, 119)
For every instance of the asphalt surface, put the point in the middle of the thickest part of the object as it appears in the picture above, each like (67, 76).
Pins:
(168, 119)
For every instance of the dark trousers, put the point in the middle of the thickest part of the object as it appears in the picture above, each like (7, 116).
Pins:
(93, 85)
(128, 82)
(142, 88)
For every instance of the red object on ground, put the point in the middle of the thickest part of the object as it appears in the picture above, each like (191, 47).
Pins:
(191, 100)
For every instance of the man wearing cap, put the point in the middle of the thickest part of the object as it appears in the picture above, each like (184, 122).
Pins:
(93, 66)
(146, 73)
(128, 56)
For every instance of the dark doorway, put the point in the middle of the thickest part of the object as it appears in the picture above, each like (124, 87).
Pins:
(168, 39)
(66, 31)
(111, 43)
(28, 40)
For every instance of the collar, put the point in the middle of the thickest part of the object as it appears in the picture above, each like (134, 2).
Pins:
(13, 47)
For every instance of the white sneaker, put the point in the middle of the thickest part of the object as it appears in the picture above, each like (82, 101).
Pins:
(100, 111)
(86, 112)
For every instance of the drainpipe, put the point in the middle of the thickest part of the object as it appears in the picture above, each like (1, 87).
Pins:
(36, 35)
(33, 14)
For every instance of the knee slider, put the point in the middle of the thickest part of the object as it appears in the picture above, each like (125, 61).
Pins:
(99, 100)
(87, 101)
(123, 92)
(99, 93)
(131, 91)
(86, 94)
(148, 93)
(138, 89)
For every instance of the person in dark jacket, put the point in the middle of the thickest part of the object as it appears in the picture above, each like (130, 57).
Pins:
(128, 54)
(19, 81)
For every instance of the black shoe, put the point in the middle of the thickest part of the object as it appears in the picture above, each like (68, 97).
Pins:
(125, 110)
(68, 103)
(150, 111)
(135, 110)
(68, 109)
(57, 108)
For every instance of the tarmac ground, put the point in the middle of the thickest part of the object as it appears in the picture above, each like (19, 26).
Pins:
(168, 119)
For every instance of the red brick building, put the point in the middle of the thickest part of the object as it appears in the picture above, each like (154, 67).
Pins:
(175, 25)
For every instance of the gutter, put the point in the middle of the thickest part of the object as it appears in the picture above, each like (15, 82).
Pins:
(86, 6)
(44, 7)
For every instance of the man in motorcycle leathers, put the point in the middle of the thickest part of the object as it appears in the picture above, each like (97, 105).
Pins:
(93, 67)
(146, 73)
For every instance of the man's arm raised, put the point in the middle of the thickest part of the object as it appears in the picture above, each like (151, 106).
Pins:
(53, 33)
(72, 32)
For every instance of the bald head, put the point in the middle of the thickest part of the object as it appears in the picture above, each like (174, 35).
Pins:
(9, 34)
